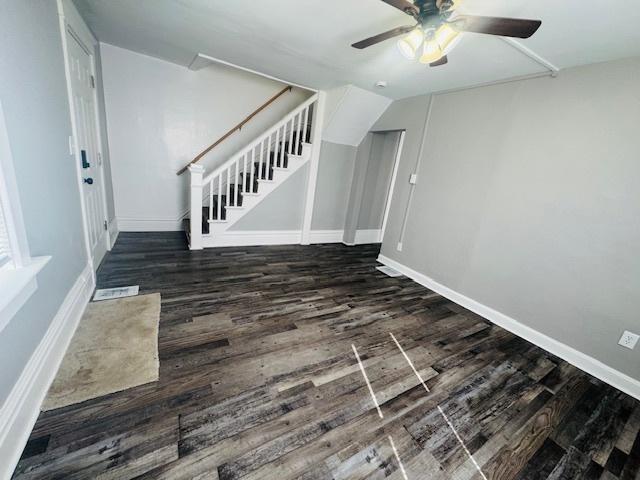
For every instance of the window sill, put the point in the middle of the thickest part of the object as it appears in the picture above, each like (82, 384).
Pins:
(16, 286)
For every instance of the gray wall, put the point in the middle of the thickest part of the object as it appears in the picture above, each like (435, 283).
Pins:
(34, 96)
(377, 180)
(363, 153)
(335, 171)
(284, 208)
(528, 202)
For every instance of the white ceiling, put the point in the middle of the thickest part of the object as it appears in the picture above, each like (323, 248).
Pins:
(308, 41)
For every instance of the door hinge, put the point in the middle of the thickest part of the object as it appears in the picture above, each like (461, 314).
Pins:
(93, 81)
(105, 225)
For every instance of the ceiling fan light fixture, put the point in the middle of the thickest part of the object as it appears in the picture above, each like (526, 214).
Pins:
(445, 36)
(431, 52)
(410, 44)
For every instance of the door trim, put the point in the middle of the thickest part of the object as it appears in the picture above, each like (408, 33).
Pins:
(394, 175)
(66, 27)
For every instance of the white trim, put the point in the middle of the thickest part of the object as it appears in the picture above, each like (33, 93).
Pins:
(532, 55)
(246, 238)
(394, 176)
(17, 285)
(581, 360)
(113, 232)
(367, 236)
(202, 56)
(21, 408)
(312, 178)
(518, 78)
(134, 224)
(10, 201)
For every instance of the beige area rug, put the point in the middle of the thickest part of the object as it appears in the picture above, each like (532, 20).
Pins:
(114, 348)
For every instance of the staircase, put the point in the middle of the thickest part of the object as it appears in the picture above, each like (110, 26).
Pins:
(221, 198)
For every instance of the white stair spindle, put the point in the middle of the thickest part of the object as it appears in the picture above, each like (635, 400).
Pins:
(220, 197)
(252, 168)
(305, 124)
(284, 134)
(228, 199)
(211, 200)
(291, 134)
(235, 187)
(260, 176)
(276, 160)
(244, 177)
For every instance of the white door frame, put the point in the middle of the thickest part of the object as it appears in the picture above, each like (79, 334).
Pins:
(71, 22)
(394, 175)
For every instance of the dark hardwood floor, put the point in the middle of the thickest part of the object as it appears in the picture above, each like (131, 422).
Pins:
(259, 380)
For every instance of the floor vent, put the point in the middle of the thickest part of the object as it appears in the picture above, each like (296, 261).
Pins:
(119, 292)
(389, 271)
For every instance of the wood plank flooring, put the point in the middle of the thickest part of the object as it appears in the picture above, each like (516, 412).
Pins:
(258, 380)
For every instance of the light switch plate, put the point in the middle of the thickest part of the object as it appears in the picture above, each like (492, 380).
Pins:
(413, 179)
(628, 340)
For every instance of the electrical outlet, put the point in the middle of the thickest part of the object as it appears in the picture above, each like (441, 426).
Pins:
(628, 340)
(399, 247)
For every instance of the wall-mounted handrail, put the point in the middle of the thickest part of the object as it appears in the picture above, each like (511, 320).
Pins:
(235, 129)
(283, 121)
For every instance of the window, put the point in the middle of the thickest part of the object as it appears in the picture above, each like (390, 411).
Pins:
(17, 269)
(5, 245)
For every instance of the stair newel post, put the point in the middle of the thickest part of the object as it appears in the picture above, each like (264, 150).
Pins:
(195, 223)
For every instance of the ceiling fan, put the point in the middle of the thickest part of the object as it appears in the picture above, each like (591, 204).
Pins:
(438, 28)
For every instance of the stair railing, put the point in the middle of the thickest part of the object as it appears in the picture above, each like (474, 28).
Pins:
(237, 128)
(240, 174)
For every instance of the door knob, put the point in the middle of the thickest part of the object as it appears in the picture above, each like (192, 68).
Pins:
(88, 181)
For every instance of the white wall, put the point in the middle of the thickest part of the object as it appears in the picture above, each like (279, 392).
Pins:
(160, 115)
(351, 111)
(527, 202)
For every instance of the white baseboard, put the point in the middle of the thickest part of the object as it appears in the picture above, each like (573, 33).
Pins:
(326, 236)
(20, 411)
(367, 236)
(581, 360)
(128, 224)
(246, 238)
(113, 232)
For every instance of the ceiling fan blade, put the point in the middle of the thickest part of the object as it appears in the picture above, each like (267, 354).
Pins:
(443, 61)
(367, 42)
(404, 5)
(504, 27)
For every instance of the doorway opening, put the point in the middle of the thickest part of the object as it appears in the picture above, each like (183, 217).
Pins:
(379, 182)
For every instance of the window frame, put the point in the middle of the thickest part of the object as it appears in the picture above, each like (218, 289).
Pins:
(17, 276)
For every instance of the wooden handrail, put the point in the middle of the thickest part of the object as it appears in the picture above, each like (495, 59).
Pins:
(235, 129)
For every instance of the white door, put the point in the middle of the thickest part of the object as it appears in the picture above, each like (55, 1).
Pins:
(84, 106)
